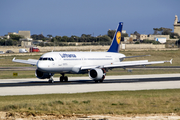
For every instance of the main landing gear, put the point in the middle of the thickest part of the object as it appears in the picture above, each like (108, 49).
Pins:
(101, 80)
(63, 78)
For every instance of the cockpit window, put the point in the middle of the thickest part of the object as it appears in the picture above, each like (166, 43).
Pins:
(121, 59)
(40, 58)
(46, 59)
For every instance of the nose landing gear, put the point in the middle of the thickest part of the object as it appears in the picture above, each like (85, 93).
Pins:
(51, 80)
(61, 79)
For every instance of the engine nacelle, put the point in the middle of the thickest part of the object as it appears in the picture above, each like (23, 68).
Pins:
(97, 74)
(42, 75)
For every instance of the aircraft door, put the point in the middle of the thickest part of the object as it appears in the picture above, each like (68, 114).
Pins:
(58, 66)
(59, 62)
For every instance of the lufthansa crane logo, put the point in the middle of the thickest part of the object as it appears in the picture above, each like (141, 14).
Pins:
(118, 37)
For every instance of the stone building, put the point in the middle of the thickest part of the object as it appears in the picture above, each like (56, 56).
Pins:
(176, 25)
(133, 36)
(152, 37)
(143, 36)
(149, 37)
(26, 43)
(24, 34)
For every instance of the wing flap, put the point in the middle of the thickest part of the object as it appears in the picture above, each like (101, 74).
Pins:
(29, 61)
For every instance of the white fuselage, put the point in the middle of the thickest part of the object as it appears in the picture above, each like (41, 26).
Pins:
(71, 62)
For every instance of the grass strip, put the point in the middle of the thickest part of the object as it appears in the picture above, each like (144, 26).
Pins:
(121, 102)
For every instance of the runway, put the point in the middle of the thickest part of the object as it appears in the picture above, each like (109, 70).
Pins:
(34, 86)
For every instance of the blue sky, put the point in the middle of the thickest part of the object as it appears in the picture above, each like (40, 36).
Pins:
(76, 17)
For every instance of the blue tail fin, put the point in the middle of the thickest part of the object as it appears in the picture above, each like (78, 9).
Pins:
(116, 40)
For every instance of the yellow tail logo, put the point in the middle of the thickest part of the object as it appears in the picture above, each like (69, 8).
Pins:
(118, 37)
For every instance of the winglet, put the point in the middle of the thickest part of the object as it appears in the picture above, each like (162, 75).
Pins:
(14, 58)
(171, 61)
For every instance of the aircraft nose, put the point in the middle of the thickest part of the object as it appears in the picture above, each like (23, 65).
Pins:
(40, 65)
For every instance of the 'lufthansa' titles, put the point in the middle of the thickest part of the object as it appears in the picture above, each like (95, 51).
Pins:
(64, 55)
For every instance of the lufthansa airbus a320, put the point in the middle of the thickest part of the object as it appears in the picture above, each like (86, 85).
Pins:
(93, 63)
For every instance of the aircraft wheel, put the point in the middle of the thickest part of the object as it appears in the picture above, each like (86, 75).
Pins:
(66, 79)
(100, 81)
(61, 79)
(96, 81)
(51, 80)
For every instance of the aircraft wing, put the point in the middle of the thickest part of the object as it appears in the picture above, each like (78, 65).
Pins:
(29, 61)
(89, 67)
(126, 64)
(134, 63)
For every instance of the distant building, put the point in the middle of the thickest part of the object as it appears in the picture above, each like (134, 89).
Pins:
(1, 37)
(26, 43)
(24, 34)
(143, 36)
(25, 39)
(36, 42)
(176, 25)
(14, 33)
(126, 39)
(152, 37)
(6, 37)
(124, 31)
(133, 36)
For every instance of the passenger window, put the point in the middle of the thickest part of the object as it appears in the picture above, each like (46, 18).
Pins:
(49, 59)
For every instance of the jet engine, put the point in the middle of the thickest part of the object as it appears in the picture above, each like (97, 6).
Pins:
(42, 75)
(97, 74)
